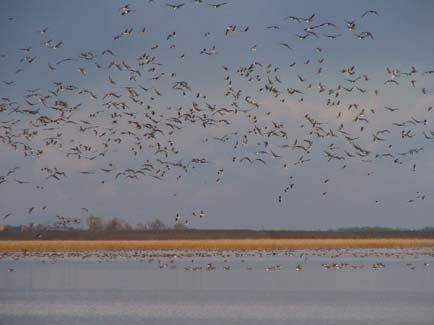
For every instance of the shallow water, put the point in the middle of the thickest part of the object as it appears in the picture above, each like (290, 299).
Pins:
(160, 288)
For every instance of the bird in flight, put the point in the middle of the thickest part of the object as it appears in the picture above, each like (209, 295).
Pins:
(217, 5)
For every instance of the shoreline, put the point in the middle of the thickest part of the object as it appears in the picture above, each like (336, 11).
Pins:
(214, 244)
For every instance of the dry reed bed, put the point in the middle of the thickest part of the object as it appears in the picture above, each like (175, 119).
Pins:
(219, 244)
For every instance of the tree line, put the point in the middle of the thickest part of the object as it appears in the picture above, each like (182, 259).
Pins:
(116, 224)
(97, 224)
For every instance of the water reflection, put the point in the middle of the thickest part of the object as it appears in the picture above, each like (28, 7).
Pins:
(339, 289)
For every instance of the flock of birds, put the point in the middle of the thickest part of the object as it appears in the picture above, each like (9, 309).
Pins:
(83, 123)
(268, 261)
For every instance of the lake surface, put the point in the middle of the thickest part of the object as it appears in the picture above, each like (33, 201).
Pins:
(219, 288)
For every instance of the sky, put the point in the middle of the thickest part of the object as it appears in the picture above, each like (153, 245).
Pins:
(355, 191)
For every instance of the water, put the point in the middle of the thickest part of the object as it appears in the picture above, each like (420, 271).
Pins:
(159, 288)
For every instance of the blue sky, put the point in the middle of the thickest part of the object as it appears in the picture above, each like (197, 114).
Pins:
(371, 191)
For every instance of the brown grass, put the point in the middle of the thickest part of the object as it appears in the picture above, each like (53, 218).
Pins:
(222, 244)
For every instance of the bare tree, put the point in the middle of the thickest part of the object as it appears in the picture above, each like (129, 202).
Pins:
(115, 224)
(157, 224)
(95, 223)
(180, 226)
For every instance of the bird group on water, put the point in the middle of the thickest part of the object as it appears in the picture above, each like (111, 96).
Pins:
(126, 114)
(262, 261)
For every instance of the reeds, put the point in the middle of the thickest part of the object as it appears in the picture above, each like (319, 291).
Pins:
(218, 244)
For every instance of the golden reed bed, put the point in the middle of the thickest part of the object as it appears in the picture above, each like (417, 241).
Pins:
(218, 244)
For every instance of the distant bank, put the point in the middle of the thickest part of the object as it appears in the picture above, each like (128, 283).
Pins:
(208, 234)
(82, 240)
